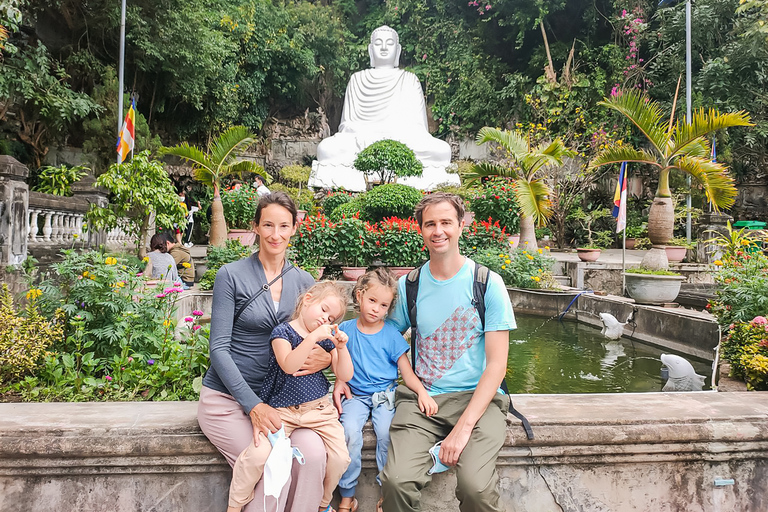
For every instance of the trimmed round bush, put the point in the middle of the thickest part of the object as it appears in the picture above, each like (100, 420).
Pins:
(348, 209)
(390, 200)
(334, 200)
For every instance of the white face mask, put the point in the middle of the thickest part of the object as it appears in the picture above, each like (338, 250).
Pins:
(277, 469)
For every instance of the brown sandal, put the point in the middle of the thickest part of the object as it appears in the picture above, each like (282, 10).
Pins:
(351, 508)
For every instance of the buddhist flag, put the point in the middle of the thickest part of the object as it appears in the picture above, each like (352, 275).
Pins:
(125, 140)
(620, 200)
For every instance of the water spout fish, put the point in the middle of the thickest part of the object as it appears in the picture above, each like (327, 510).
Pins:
(682, 376)
(612, 328)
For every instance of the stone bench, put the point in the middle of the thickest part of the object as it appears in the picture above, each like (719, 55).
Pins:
(623, 453)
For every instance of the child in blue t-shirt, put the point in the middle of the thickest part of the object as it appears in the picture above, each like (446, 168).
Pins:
(378, 350)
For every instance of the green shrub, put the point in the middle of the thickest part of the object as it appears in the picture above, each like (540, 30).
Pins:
(520, 268)
(217, 257)
(496, 200)
(239, 206)
(743, 288)
(353, 242)
(312, 244)
(746, 347)
(349, 209)
(390, 200)
(334, 200)
(58, 180)
(386, 159)
(483, 236)
(399, 243)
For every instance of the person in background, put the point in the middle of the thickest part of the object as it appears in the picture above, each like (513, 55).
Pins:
(184, 264)
(190, 207)
(261, 188)
(161, 264)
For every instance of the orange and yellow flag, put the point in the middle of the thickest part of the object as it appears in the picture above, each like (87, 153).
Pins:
(125, 140)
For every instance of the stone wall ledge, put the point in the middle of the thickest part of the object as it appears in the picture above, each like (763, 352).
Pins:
(152, 456)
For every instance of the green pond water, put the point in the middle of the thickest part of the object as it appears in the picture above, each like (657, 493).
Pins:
(547, 356)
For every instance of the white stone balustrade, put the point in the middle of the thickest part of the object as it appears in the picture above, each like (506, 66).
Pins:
(54, 227)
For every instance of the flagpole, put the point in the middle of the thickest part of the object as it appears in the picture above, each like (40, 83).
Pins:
(120, 74)
(688, 74)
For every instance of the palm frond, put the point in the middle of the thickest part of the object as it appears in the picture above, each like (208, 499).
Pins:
(533, 200)
(703, 123)
(714, 179)
(543, 156)
(248, 166)
(511, 141)
(697, 147)
(231, 144)
(619, 154)
(485, 169)
(190, 154)
(204, 176)
(645, 114)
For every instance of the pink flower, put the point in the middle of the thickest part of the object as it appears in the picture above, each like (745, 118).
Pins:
(189, 319)
(424, 57)
(488, 7)
(140, 274)
(130, 359)
(759, 320)
(108, 378)
(196, 327)
(197, 312)
(615, 90)
(160, 296)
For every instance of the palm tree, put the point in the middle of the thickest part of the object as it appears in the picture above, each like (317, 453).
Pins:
(526, 166)
(221, 159)
(673, 145)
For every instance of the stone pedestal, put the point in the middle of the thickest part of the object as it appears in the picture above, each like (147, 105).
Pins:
(86, 189)
(710, 225)
(14, 201)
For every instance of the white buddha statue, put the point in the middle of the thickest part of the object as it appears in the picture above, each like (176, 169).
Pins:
(383, 102)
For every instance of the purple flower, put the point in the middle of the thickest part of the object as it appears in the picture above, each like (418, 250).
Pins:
(150, 362)
(197, 312)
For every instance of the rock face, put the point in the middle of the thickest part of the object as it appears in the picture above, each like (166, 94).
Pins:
(619, 453)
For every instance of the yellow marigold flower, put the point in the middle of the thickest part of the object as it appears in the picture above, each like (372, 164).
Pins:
(718, 263)
(526, 243)
(536, 278)
(120, 284)
(186, 265)
(75, 235)
(501, 255)
(474, 247)
(86, 273)
(34, 293)
(93, 277)
(145, 259)
(533, 277)
(167, 323)
(507, 261)
(546, 247)
(110, 261)
(503, 267)
(529, 256)
(540, 251)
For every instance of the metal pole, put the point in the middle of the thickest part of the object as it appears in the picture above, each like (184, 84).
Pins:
(688, 100)
(120, 74)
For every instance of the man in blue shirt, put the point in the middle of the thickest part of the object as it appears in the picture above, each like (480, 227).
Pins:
(460, 364)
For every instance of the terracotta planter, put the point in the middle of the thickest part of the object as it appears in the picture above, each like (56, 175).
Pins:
(653, 289)
(588, 254)
(675, 253)
(631, 242)
(400, 271)
(319, 271)
(514, 240)
(247, 237)
(468, 218)
(352, 273)
(301, 215)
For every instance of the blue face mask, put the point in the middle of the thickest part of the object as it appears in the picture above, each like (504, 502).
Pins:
(437, 465)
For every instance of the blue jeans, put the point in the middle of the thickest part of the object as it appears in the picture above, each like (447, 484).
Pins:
(356, 411)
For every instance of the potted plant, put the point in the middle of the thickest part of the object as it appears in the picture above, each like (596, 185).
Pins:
(386, 160)
(650, 286)
(677, 248)
(239, 209)
(496, 200)
(485, 235)
(312, 244)
(354, 246)
(595, 240)
(399, 244)
(635, 232)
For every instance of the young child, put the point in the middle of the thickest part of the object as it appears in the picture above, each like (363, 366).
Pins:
(377, 350)
(301, 401)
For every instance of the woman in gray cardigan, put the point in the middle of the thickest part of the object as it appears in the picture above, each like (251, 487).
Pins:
(245, 311)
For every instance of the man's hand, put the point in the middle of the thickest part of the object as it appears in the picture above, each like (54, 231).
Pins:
(265, 420)
(317, 360)
(340, 388)
(454, 444)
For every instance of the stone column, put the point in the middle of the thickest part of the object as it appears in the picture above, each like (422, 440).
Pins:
(86, 189)
(14, 218)
(710, 225)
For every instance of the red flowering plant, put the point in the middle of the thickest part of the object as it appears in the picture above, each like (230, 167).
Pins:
(353, 241)
(311, 246)
(482, 236)
(497, 200)
(239, 206)
(399, 242)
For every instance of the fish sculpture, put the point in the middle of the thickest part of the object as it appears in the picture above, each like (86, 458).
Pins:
(682, 376)
(612, 328)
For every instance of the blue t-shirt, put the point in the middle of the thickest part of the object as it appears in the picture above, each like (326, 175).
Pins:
(450, 342)
(374, 357)
(282, 390)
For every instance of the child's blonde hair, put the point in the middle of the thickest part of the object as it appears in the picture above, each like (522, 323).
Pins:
(320, 291)
(380, 276)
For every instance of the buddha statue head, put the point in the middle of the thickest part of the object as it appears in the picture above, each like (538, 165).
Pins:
(385, 48)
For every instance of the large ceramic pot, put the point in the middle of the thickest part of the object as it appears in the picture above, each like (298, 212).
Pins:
(588, 254)
(352, 273)
(400, 271)
(661, 220)
(653, 289)
(675, 253)
(247, 237)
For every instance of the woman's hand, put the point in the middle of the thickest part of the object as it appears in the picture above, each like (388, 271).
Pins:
(265, 420)
(340, 388)
(318, 359)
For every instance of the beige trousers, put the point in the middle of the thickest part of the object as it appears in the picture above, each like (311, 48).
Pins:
(319, 416)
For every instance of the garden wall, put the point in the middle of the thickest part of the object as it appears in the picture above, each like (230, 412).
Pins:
(701, 451)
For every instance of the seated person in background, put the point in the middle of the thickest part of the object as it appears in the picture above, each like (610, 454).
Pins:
(261, 188)
(161, 264)
(184, 264)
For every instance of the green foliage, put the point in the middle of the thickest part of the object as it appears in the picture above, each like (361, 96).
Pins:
(350, 209)
(312, 244)
(484, 236)
(588, 220)
(519, 268)
(239, 206)
(743, 288)
(388, 159)
(399, 243)
(295, 175)
(390, 200)
(335, 199)
(650, 272)
(746, 347)
(353, 243)
(217, 257)
(139, 189)
(24, 336)
(58, 180)
(734, 242)
(496, 200)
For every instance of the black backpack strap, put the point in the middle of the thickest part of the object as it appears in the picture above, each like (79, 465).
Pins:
(479, 286)
(411, 294)
(258, 293)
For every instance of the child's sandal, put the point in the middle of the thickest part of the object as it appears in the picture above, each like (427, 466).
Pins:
(351, 508)
(328, 509)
